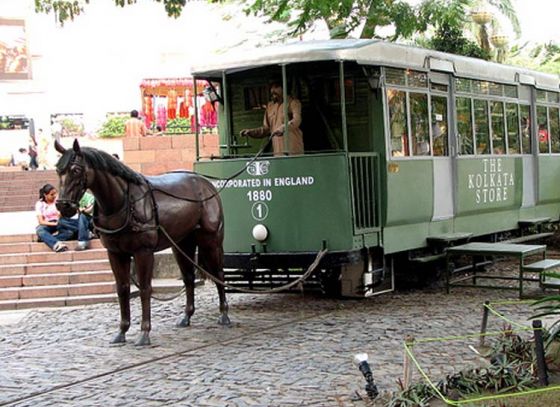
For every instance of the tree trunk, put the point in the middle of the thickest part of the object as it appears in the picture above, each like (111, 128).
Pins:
(372, 21)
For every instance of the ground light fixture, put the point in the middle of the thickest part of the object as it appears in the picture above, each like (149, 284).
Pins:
(361, 360)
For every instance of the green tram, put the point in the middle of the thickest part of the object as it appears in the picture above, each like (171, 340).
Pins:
(419, 151)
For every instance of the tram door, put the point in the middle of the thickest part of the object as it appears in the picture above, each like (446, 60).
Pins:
(442, 154)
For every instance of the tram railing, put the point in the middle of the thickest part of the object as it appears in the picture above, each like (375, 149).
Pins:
(364, 175)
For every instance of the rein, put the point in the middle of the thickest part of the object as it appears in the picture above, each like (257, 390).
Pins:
(302, 278)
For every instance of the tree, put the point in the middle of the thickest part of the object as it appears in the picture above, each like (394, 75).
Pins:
(451, 39)
(341, 17)
(68, 9)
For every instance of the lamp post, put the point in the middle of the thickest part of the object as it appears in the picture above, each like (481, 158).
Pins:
(361, 361)
(482, 17)
(500, 42)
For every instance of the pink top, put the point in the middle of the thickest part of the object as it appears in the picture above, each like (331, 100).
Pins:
(48, 211)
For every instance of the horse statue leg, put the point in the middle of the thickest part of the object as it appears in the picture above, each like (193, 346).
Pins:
(144, 262)
(188, 246)
(211, 258)
(120, 264)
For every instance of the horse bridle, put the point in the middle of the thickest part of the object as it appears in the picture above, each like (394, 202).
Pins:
(77, 161)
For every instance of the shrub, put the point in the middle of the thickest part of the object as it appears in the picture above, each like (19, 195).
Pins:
(113, 127)
(178, 125)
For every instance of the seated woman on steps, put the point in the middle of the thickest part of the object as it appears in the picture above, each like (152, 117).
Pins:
(54, 229)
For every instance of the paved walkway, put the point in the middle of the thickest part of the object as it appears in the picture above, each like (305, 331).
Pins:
(282, 350)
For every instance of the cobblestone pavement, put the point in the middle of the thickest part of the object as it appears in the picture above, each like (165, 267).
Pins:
(282, 350)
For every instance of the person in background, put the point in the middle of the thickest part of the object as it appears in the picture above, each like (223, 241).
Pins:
(53, 229)
(273, 123)
(32, 152)
(48, 217)
(134, 127)
(86, 208)
(21, 159)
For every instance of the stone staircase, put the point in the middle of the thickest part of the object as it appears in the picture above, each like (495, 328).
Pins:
(19, 190)
(31, 275)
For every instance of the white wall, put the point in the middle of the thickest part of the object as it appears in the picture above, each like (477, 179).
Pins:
(95, 64)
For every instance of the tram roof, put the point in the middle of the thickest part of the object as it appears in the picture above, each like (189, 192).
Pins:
(373, 52)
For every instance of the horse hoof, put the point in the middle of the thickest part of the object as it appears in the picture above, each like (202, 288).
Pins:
(224, 320)
(143, 340)
(119, 338)
(183, 322)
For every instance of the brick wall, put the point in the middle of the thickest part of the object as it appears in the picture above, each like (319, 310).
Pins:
(152, 155)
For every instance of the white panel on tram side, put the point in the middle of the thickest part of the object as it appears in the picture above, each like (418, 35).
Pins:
(443, 189)
(528, 182)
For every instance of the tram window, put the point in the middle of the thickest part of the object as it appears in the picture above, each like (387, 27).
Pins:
(398, 122)
(510, 91)
(512, 120)
(417, 79)
(498, 141)
(481, 130)
(541, 95)
(542, 122)
(438, 87)
(481, 87)
(525, 116)
(553, 97)
(395, 76)
(464, 126)
(256, 97)
(439, 125)
(496, 89)
(332, 91)
(463, 85)
(419, 122)
(554, 129)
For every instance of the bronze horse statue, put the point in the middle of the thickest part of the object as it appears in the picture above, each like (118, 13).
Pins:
(137, 215)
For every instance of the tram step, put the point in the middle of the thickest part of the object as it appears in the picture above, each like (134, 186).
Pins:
(544, 266)
(428, 259)
(529, 238)
(448, 238)
(532, 222)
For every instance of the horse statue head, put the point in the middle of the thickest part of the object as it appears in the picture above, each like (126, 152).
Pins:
(72, 170)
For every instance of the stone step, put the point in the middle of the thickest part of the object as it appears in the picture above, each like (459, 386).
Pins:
(51, 291)
(21, 238)
(37, 247)
(162, 289)
(59, 267)
(49, 279)
(53, 257)
(57, 301)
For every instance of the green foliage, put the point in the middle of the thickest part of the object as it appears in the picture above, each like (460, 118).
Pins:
(71, 128)
(510, 369)
(342, 16)
(178, 125)
(69, 9)
(550, 307)
(113, 127)
(63, 9)
(451, 39)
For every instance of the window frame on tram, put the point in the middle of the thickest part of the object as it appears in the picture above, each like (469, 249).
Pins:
(548, 103)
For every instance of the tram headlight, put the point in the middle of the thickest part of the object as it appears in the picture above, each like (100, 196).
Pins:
(260, 232)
